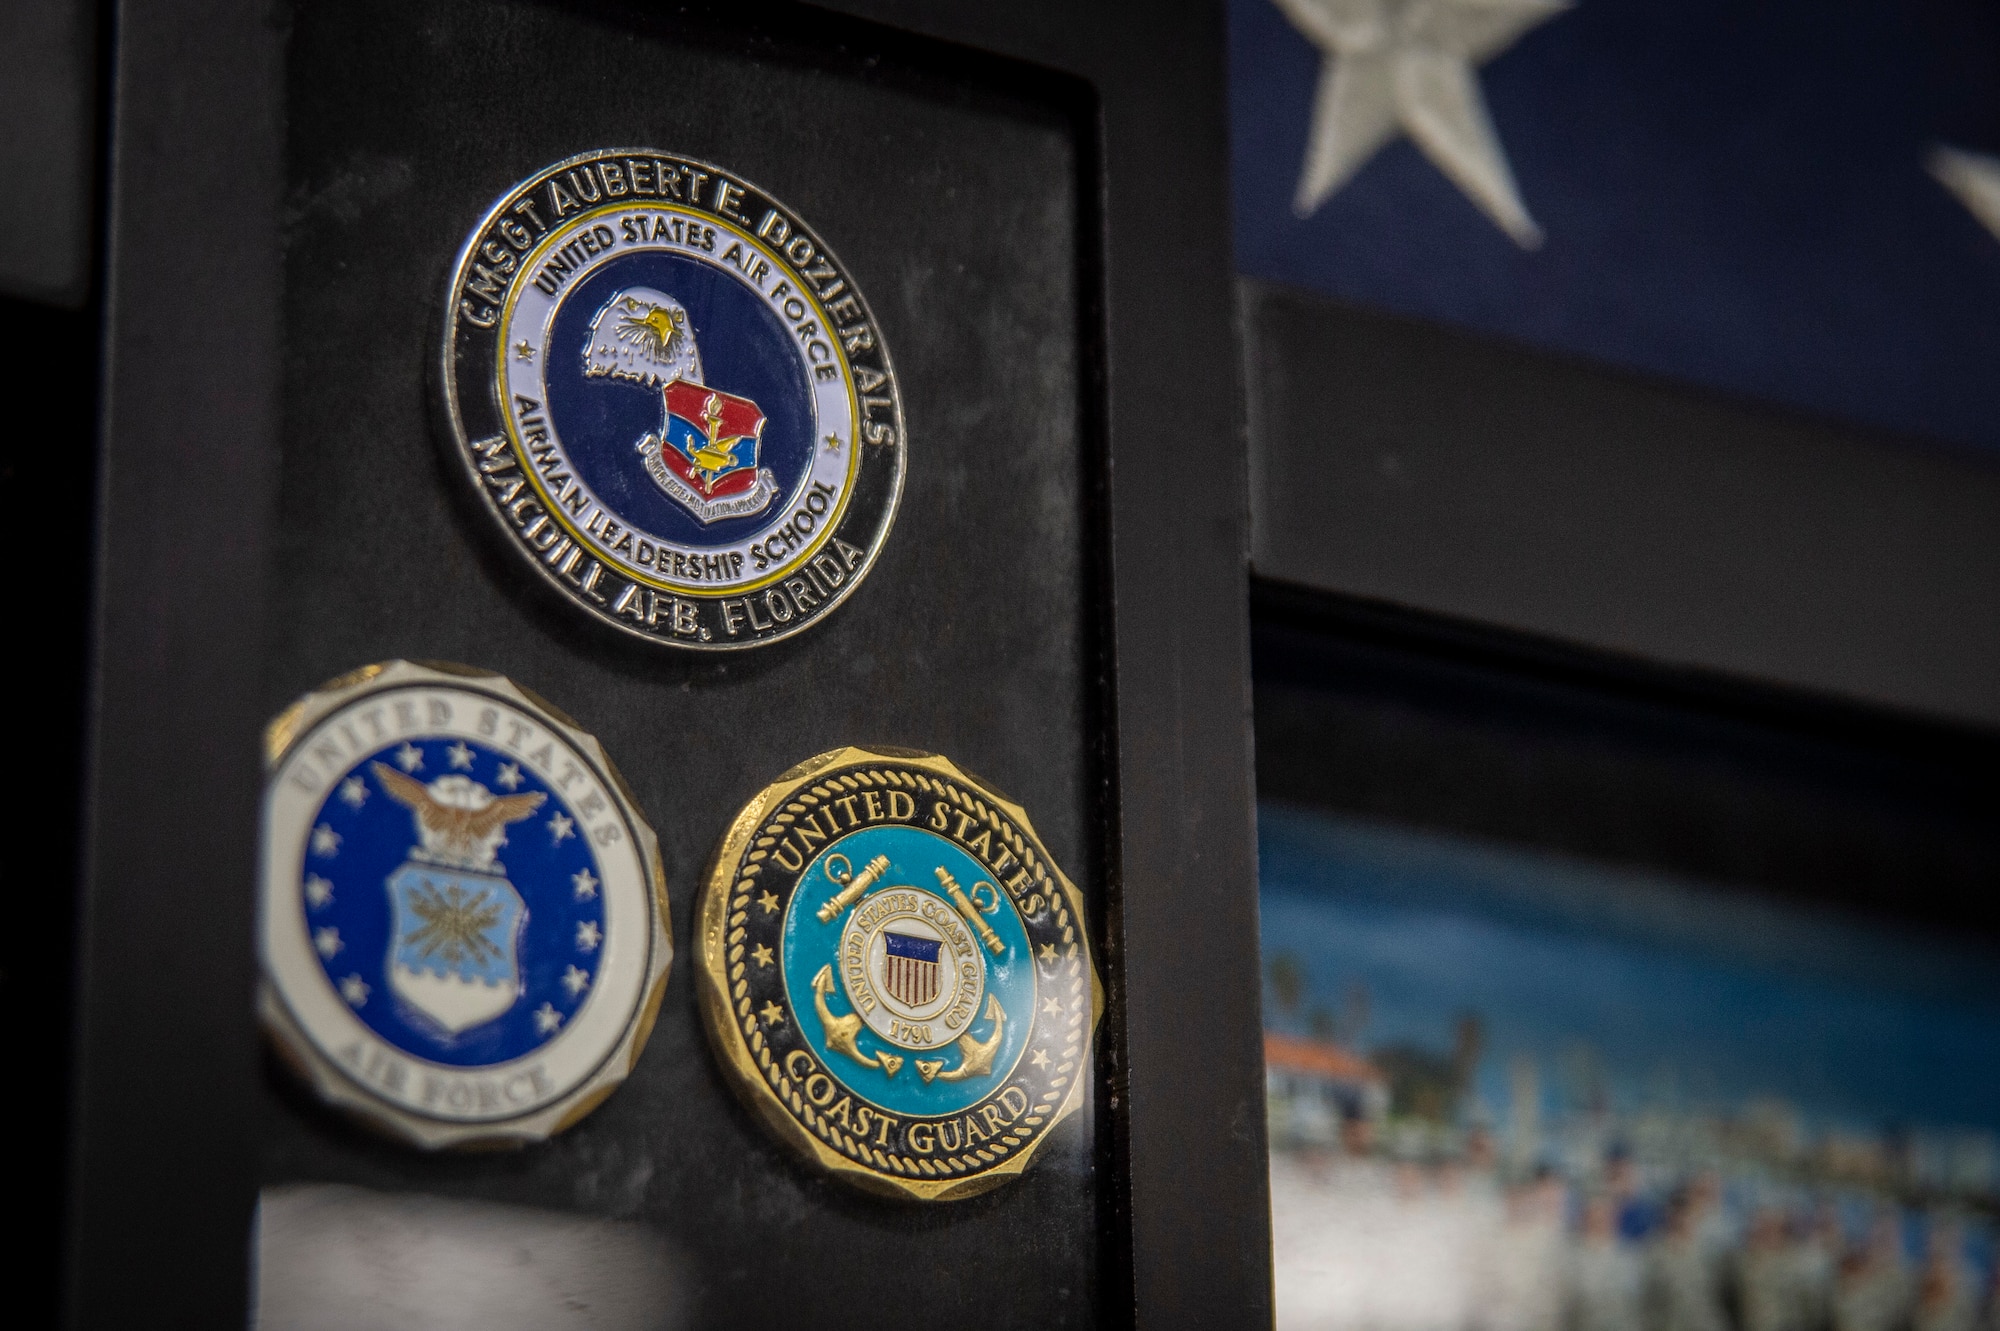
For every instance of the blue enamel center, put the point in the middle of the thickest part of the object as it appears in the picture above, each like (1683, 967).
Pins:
(457, 915)
(745, 350)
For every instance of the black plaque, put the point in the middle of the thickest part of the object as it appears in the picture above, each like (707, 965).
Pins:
(1037, 215)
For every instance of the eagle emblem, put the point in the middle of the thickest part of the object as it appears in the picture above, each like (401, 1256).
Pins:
(703, 454)
(456, 918)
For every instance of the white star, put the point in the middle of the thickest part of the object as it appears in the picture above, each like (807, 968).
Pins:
(560, 827)
(1974, 178)
(318, 891)
(588, 936)
(355, 791)
(461, 757)
(325, 841)
(508, 776)
(1406, 66)
(327, 940)
(355, 990)
(586, 886)
(576, 980)
(409, 757)
(547, 1018)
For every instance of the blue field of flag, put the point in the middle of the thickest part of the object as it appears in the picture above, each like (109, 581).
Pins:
(1792, 200)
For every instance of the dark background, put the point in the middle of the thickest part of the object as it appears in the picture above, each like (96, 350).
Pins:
(47, 474)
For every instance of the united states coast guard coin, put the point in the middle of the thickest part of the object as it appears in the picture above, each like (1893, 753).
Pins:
(672, 399)
(896, 974)
(462, 916)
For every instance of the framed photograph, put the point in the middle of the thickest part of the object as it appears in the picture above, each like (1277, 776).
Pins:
(1591, 1002)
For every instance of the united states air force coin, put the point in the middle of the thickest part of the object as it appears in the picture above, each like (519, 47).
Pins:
(462, 915)
(896, 974)
(672, 399)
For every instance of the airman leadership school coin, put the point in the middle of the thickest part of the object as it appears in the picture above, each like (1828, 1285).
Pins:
(672, 399)
(896, 975)
(462, 916)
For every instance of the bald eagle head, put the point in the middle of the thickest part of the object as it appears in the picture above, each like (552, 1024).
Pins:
(645, 336)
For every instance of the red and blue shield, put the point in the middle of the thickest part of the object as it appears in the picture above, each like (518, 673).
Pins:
(711, 439)
(705, 453)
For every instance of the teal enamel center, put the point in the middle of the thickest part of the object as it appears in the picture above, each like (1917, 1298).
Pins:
(909, 943)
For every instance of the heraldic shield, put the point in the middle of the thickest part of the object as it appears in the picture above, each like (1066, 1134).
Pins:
(455, 920)
(454, 951)
(910, 968)
(710, 444)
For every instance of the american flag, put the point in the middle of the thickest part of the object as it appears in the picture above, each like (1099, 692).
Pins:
(1792, 200)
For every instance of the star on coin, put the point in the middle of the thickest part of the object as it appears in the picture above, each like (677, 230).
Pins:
(771, 1013)
(1039, 1059)
(354, 792)
(409, 757)
(461, 757)
(355, 990)
(547, 1019)
(588, 936)
(1052, 1007)
(762, 954)
(560, 827)
(1049, 953)
(523, 350)
(509, 776)
(769, 901)
(576, 980)
(325, 841)
(318, 891)
(586, 886)
(833, 443)
(327, 941)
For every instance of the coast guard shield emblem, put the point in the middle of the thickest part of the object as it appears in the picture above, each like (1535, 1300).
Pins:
(673, 399)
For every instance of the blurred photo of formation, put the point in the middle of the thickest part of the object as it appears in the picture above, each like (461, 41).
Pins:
(1515, 1095)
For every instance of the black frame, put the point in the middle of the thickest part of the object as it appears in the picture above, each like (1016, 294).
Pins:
(1473, 478)
(1381, 712)
(162, 1183)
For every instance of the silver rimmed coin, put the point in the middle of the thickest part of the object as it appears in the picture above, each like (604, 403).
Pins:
(462, 916)
(672, 399)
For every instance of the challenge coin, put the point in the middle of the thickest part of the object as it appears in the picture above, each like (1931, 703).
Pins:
(462, 916)
(672, 399)
(896, 975)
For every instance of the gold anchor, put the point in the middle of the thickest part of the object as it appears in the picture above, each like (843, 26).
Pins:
(977, 1055)
(841, 1032)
